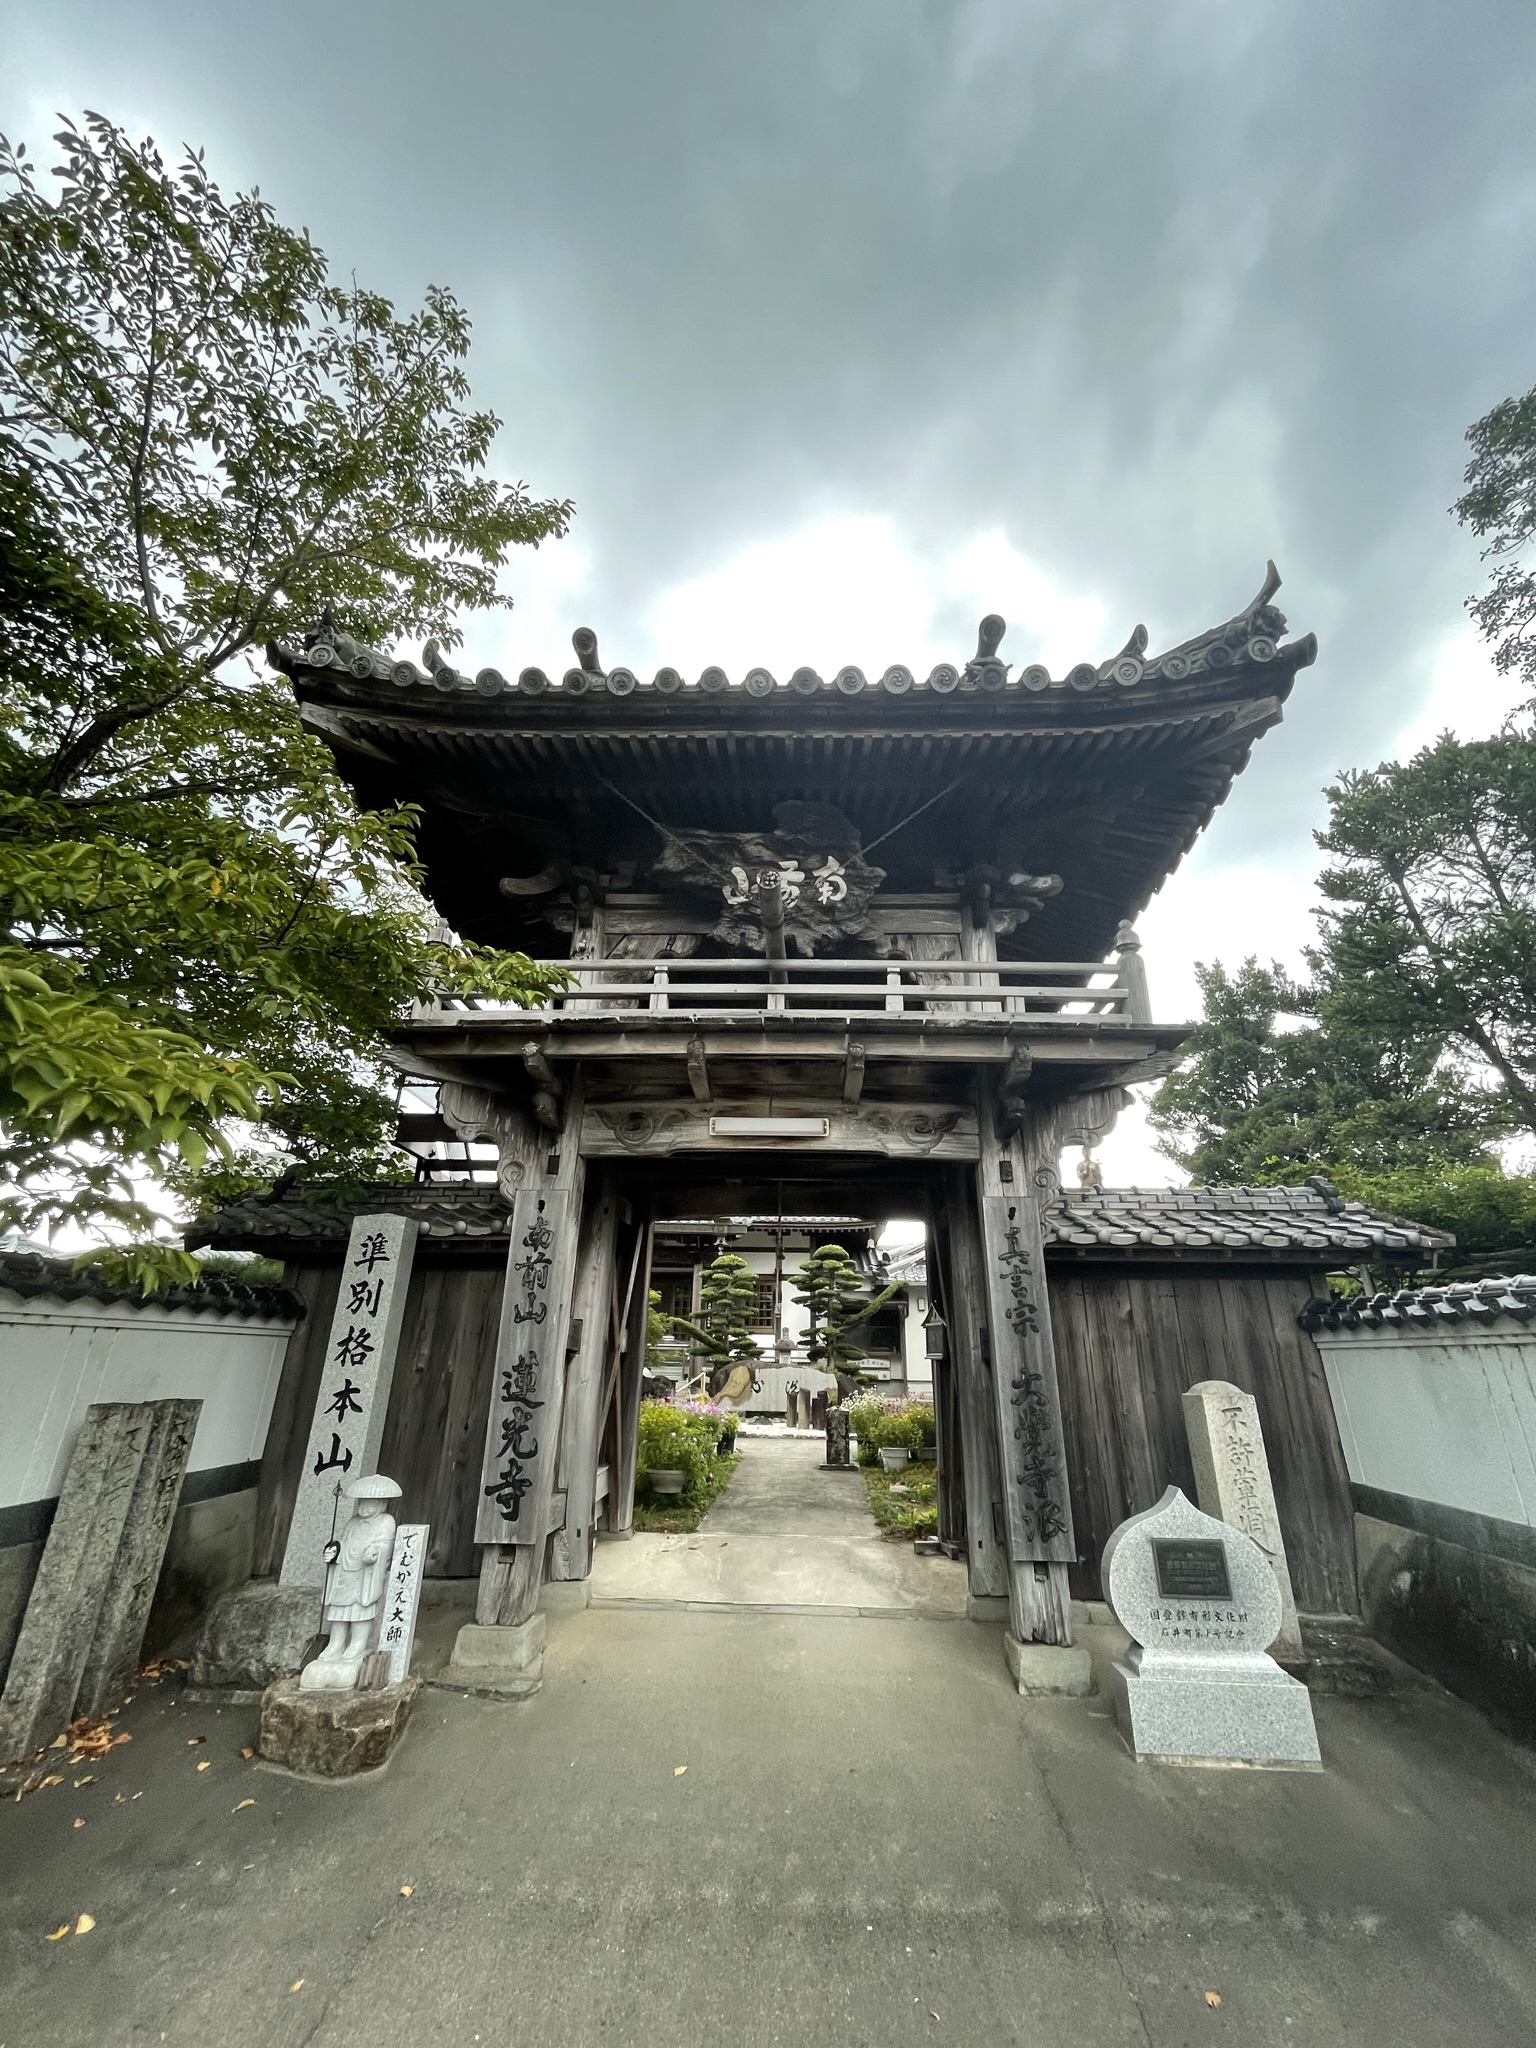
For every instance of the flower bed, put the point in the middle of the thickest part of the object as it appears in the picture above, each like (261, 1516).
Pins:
(682, 1437)
(904, 1504)
(881, 1423)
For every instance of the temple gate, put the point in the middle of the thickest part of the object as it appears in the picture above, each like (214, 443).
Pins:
(862, 936)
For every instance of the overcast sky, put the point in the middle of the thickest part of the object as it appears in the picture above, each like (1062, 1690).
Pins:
(846, 321)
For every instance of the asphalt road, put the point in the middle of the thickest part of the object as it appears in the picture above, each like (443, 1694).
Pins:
(874, 1841)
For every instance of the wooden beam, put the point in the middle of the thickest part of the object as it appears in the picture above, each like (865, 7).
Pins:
(570, 1551)
(698, 1070)
(853, 1071)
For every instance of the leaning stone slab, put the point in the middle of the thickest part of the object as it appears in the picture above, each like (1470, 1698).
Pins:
(119, 1637)
(1042, 1668)
(1200, 1602)
(1232, 1482)
(74, 1576)
(340, 1734)
(253, 1636)
(508, 1661)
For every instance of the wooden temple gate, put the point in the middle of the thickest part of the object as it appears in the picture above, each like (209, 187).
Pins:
(750, 999)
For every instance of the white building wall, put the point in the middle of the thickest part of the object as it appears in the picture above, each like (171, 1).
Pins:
(1445, 1416)
(57, 1357)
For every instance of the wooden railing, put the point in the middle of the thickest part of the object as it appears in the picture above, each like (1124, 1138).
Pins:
(1075, 990)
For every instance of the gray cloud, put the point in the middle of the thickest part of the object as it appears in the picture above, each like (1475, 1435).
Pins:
(1158, 291)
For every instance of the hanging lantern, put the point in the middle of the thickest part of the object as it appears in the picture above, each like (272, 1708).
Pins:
(934, 1331)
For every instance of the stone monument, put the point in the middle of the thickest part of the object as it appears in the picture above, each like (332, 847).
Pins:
(402, 1598)
(263, 1631)
(1226, 1447)
(1201, 1602)
(837, 1440)
(84, 1622)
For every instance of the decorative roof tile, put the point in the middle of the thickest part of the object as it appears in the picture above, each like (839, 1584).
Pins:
(1313, 1221)
(1478, 1303)
(30, 1274)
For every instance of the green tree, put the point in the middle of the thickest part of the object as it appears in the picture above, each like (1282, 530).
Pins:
(1275, 1086)
(723, 1332)
(832, 1289)
(204, 442)
(1499, 505)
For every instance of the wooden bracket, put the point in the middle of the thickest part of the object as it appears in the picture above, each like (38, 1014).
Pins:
(853, 1072)
(698, 1070)
(547, 1085)
(1011, 1091)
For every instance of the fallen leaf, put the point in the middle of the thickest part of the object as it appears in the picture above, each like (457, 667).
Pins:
(296, 1985)
(59, 1742)
(53, 1778)
(194, 1740)
(1213, 1998)
(58, 1933)
(88, 1779)
(243, 1804)
(247, 1754)
(85, 1923)
(932, 2014)
(138, 1795)
(680, 1770)
(406, 1890)
(79, 1823)
(119, 1798)
(205, 1765)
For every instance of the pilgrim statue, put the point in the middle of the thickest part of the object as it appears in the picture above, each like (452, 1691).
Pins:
(354, 1586)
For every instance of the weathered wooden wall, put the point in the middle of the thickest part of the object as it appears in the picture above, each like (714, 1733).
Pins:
(435, 1428)
(1128, 1343)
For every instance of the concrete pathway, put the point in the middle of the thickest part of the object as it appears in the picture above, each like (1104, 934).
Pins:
(785, 1537)
(874, 1844)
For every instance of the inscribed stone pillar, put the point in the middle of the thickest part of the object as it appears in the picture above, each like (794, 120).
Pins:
(68, 1594)
(1226, 1447)
(354, 1387)
(119, 1637)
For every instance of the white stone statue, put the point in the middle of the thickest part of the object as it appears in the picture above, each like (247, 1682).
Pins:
(354, 1586)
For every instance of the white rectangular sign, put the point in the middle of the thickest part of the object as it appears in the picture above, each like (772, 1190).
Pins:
(402, 1597)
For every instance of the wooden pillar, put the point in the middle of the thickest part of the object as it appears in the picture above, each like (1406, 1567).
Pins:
(1011, 1182)
(523, 1428)
(570, 1547)
(621, 1468)
(985, 1536)
(946, 1407)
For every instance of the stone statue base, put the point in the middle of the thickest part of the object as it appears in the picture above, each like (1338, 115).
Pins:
(333, 1734)
(258, 1633)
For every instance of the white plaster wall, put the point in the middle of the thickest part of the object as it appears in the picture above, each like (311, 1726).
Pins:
(1444, 1416)
(57, 1357)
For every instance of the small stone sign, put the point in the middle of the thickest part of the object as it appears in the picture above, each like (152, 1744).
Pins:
(402, 1597)
(837, 1439)
(1226, 1447)
(354, 1388)
(1202, 1603)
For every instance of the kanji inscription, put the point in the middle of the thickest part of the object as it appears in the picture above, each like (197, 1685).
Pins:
(354, 1387)
(1037, 1507)
(522, 1433)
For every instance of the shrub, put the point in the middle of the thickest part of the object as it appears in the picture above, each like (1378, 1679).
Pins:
(679, 1439)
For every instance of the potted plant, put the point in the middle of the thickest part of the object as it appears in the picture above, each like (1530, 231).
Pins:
(665, 1479)
(894, 1456)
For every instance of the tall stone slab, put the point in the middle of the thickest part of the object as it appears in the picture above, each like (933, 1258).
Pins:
(1226, 1448)
(354, 1387)
(72, 1581)
(119, 1637)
